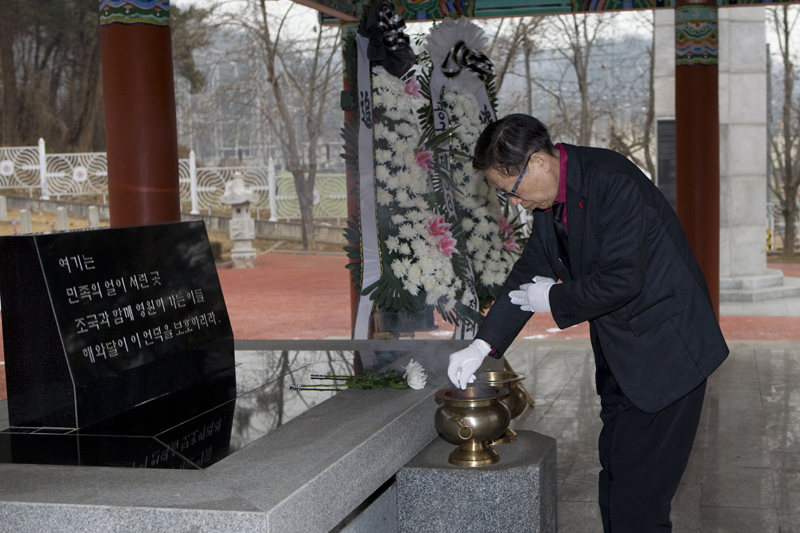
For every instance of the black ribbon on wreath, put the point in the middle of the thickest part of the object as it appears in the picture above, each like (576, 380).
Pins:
(460, 57)
(388, 45)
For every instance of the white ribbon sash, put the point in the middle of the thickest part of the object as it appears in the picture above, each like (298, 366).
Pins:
(370, 249)
(441, 121)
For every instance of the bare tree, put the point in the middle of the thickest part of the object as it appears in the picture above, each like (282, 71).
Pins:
(635, 138)
(784, 145)
(50, 57)
(571, 91)
(51, 80)
(301, 74)
(8, 134)
(507, 41)
(527, 54)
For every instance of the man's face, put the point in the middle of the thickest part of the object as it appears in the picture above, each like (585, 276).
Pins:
(539, 186)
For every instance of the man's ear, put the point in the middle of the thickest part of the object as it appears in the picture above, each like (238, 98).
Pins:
(538, 159)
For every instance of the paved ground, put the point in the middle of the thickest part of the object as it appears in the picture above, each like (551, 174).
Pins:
(306, 296)
(744, 471)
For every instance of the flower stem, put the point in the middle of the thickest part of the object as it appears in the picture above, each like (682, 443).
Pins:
(331, 376)
(298, 387)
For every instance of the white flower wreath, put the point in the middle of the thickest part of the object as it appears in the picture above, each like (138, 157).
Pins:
(490, 239)
(420, 243)
(488, 235)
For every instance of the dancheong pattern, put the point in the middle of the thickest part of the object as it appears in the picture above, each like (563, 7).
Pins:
(696, 36)
(154, 12)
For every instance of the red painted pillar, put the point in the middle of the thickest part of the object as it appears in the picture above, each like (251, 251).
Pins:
(697, 133)
(139, 98)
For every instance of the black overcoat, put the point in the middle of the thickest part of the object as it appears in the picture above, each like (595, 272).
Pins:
(633, 277)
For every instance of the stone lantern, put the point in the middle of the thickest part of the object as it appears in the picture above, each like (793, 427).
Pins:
(242, 227)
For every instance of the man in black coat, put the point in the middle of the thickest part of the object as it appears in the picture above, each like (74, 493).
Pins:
(606, 232)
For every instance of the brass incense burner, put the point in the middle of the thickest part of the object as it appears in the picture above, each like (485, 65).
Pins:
(472, 418)
(515, 401)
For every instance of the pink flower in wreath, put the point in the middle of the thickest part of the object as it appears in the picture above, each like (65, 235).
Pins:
(505, 227)
(412, 87)
(424, 158)
(447, 245)
(438, 227)
(511, 244)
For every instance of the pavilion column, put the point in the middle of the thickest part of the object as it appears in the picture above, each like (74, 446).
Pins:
(139, 98)
(697, 133)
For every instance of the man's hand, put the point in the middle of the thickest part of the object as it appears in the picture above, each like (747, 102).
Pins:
(464, 363)
(533, 296)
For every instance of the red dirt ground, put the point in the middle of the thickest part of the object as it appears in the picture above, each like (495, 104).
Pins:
(306, 296)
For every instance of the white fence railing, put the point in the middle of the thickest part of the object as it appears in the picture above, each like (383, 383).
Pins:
(60, 175)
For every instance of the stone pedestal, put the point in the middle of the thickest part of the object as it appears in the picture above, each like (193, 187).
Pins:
(242, 226)
(517, 494)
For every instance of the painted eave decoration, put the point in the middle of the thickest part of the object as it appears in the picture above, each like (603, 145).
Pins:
(154, 12)
(336, 11)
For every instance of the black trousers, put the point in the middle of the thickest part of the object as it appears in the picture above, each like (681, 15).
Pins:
(643, 457)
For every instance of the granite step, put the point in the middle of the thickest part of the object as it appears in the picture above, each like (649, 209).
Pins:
(770, 278)
(789, 288)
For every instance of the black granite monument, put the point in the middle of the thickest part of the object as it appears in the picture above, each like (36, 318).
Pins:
(119, 353)
(97, 322)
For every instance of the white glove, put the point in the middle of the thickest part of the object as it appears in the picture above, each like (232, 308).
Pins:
(464, 363)
(533, 296)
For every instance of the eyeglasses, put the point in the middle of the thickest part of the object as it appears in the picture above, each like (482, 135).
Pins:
(513, 192)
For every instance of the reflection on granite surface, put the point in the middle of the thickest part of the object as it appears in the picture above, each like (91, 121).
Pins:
(199, 425)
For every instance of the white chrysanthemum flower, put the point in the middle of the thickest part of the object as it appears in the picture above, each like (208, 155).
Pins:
(415, 215)
(382, 156)
(483, 227)
(418, 187)
(392, 243)
(482, 212)
(415, 375)
(383, 197)
(397, 269)
(470, 203)
(398, 219)
(405, 249)
(402, 197)
(411, 287)
(404, 179)
(414, 274)
(473, 243)
(406, 130)
(407, 232)
(392, 137)
(427, 265)
(382, 173)
(467, 298)
(391, 183)
(449, 305)
(408, 203)
(420, 247)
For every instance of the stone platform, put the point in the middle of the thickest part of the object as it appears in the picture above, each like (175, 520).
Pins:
(517, 494)
(310, 474)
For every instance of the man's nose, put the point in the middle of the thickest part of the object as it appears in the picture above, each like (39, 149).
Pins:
(515, 200)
